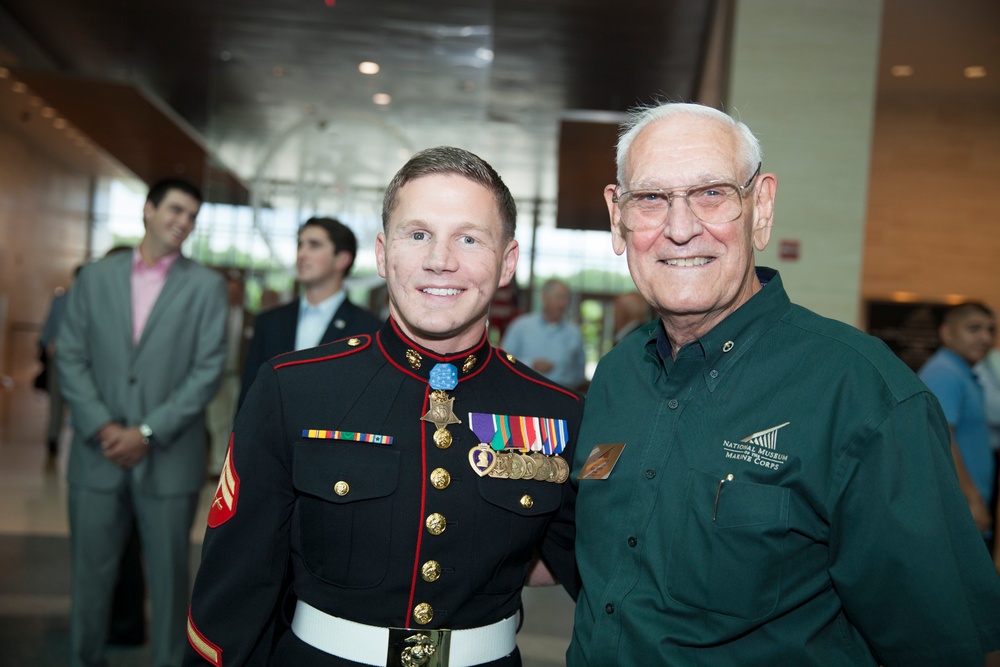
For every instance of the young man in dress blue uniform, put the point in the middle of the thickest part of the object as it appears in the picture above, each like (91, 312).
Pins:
(407, 478)
(784, 485)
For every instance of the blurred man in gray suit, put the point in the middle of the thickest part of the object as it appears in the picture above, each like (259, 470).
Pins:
(141, 352)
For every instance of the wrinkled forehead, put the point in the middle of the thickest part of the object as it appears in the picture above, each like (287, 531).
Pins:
(683, 150)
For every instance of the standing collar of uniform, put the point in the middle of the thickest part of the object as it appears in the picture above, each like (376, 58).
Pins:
(730, 339)
(417, 361)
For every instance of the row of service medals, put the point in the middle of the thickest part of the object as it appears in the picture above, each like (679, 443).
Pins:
(519, 447)
(510, 447)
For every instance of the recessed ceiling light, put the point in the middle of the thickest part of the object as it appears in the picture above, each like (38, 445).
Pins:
(59, 123)
(18, 87)
(368, 67)
(975, 72)
(48, 112)
(485, 54)
(381, 98)
(4, 72)
(901, 70)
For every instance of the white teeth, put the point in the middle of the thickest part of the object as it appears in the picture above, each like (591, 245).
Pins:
(441, 292)
(688, 261)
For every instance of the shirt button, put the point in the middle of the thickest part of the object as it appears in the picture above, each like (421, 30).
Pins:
(672, 404)
(650, 474)
(610, 608)
(714, 373)
(632, 541)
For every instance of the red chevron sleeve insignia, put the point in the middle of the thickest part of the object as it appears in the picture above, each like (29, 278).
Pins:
(224, 504)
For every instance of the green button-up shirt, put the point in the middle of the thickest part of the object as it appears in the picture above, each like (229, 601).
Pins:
(841, 537)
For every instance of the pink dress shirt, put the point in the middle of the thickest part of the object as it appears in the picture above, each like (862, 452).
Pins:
(147, 282)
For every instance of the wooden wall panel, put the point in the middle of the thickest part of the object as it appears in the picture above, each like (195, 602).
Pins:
(933, 221)
(44, 209)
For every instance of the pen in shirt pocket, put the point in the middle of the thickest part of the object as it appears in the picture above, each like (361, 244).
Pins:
(715, 510)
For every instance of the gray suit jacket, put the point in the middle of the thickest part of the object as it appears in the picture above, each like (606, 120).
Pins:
(164, 381)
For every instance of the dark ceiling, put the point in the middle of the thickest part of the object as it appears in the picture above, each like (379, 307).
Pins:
(272, 89)
(268, 95)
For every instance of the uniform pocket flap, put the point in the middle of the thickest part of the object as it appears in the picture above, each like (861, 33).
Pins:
(524, 497)
(345, 472)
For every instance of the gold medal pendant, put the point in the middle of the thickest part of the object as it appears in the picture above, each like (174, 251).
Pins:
(441, 413)
(530, 468)
(562, 469)
(483, 459)
(502, 469)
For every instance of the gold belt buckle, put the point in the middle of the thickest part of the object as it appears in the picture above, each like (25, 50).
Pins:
(418, 648)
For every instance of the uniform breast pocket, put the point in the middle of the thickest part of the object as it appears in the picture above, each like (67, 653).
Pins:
(344, 510)
(509, 523)
(731, 565)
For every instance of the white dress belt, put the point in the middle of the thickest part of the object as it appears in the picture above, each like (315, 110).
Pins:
(369, 644)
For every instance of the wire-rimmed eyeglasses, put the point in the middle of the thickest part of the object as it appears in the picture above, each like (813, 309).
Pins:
(716, 202)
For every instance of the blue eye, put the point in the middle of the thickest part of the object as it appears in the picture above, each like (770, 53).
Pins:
(468, 240)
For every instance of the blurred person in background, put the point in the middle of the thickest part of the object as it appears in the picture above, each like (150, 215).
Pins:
(141, 350)
(547, 341)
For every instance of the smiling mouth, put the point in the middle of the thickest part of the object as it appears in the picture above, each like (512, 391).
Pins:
(441, 291)
(688, 261)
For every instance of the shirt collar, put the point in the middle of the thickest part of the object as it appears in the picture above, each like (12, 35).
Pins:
(417, 361)
(327, 306)
(723, 345)
(161, 265)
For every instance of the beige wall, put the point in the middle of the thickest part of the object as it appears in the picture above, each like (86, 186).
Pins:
(803, 79)
(934, 208)
(43, 221)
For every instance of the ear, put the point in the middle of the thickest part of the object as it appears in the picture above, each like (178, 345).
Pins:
(147, 210)
(510, 255)
(380, 253)
(342, 260)
(617, 230)
(767, 188)
(944, 333)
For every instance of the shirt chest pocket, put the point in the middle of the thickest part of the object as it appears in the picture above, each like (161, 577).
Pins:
(510, 522)
(344, 510)
(726, 555)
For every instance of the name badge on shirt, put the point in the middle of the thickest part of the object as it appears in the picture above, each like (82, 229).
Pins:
(601, 460)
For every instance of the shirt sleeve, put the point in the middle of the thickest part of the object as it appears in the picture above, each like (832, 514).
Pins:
(241, 582)
(905, 556)
(947, 388)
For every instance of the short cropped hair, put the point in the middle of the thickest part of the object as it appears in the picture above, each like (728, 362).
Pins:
(162, 187)
(959, 312)
(449, 160)
(341, 236)
(639, 117)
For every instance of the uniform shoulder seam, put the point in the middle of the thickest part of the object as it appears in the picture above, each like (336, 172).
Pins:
(508, 361)
(334, 350)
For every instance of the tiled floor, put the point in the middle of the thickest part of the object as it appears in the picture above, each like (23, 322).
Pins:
(34, 555)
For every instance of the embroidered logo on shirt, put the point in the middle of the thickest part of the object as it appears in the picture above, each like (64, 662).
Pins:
(759, 448)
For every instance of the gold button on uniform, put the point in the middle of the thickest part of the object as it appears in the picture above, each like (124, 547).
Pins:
(423, 613)
(341, 488)
(440, 478)
(430, 570)
(435, 524)
(354, 342)
(527, 502)
(442, 438)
